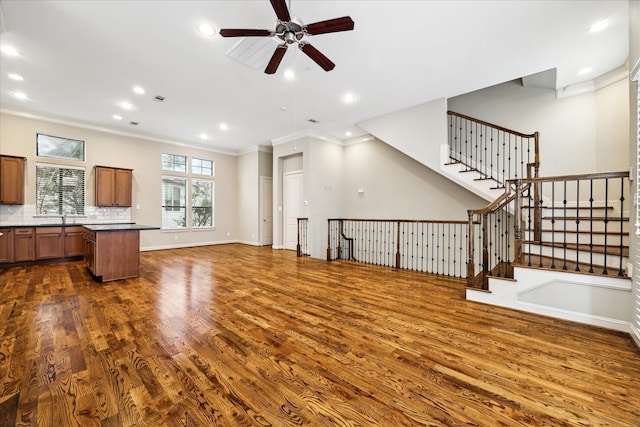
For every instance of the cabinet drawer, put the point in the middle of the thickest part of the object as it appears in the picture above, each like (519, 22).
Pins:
(23, 231)
(49, 230)
(74, 229)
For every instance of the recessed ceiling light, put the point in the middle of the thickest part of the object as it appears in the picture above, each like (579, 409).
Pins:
(127, 106)
(283, 108)
(585, 70)
(9, 50)
(598, 26)
(347, 133)
(223, 126)
(204, 136)
(117, 117)
(20, 95)
(206, 30)
(139, 90)
(348, 98)
(16, 77)
(289, 74)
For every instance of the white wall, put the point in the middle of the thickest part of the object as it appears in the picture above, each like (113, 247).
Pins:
(399, 187)
(574, 132)
(17, 137)
(248, 198)
(417, 131)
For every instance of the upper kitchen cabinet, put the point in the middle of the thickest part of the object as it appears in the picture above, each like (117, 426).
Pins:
(113, 186)
(12, 180)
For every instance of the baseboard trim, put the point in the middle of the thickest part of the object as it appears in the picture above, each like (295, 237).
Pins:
(186, 245)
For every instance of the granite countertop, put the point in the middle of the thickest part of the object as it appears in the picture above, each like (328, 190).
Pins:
(119, 227)
(93, 227)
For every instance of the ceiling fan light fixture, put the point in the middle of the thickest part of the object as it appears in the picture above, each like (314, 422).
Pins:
(289, 74)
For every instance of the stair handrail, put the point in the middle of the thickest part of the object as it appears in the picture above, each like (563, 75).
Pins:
(492, 125)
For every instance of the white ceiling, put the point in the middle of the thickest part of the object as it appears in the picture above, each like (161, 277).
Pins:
(79, 60)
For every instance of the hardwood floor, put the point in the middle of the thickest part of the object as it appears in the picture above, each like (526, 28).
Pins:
(235, 335)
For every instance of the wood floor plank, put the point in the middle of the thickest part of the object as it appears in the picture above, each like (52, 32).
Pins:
(235, 335)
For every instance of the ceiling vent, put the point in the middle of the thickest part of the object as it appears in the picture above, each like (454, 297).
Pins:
(134, 123)
(159, 98)
(312, 121)
(254, 52)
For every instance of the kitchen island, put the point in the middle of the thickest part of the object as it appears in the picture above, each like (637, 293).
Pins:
(112, 251)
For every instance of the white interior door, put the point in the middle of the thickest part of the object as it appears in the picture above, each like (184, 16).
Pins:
(292, 207)
(266, 226)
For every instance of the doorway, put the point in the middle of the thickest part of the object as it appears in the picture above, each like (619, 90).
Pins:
(266, 211)
(292, 207)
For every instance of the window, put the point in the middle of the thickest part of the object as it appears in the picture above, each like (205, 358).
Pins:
(59, 148)
(60, 190)
(174, 199)
(201, 203)
(174, 163)
(201, 167)
(180, 209)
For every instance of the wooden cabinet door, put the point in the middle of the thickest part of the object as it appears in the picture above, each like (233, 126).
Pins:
(23, 245)
(123, 181)
(49, 243)
(105, 186)
(11, 180)
(73, 241)
(90, 251)
(6, 245)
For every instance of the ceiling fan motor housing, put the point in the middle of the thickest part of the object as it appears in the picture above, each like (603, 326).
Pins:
(290, 31)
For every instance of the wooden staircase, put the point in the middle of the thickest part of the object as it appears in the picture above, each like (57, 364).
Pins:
(585, 239)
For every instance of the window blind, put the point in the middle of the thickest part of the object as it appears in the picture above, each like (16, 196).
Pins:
(60, 190)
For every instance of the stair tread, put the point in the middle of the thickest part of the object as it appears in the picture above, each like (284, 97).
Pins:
(534, 261)
(585, 232)
(559, 208)
(587, 218)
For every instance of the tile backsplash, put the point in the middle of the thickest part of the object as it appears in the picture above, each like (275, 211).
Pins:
(26, 215)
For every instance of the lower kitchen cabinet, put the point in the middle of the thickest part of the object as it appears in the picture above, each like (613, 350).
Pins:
(49, 243)
(6, 245)
(73, 241)
(23, 244)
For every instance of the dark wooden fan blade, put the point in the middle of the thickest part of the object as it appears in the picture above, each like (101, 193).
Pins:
(239, 32)
(331, 26)
(317, 57)
(281, 9)
(276, 58)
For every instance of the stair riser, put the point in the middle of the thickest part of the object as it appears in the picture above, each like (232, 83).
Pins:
(582, 238)
(584, 225)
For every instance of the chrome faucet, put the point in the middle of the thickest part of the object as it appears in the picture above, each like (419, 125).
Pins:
(64, 219)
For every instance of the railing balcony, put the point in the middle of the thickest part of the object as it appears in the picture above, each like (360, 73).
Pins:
(494, 152)
(302, 247)
(437, 247)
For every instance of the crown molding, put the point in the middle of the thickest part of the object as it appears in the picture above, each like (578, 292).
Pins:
(60, 121)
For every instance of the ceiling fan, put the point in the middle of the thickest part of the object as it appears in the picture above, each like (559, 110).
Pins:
(291, 30)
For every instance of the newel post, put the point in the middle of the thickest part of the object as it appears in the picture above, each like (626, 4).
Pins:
(328, 240)
(470, 251)
(518, 238)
